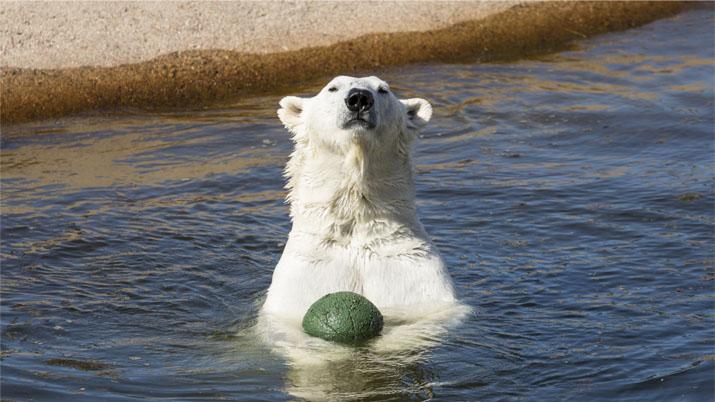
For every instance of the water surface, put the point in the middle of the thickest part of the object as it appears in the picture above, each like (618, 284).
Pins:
(571, 195)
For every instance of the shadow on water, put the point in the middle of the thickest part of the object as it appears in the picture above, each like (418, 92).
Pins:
(571, 195)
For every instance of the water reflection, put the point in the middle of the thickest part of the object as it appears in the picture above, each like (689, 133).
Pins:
(108, 157)
(396, 364)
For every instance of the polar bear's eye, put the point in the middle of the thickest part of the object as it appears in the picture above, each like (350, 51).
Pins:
(332, 89)
(382, 90)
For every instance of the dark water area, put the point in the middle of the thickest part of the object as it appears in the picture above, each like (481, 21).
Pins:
(572, 197)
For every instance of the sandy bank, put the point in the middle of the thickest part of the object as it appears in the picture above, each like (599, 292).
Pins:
(210, 66)
(74, 34)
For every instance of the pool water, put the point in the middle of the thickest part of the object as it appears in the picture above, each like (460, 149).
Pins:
(572, 196)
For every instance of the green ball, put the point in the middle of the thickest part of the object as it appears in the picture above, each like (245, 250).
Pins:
(343, 317)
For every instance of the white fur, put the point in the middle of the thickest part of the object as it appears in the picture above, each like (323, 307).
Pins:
(352, 196)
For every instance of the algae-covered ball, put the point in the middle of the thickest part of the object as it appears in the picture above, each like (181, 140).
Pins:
(344, 317)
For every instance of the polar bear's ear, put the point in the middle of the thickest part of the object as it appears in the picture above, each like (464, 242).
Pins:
(419, 112)
(289, 113)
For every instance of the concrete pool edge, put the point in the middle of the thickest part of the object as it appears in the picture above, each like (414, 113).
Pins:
(202, 77)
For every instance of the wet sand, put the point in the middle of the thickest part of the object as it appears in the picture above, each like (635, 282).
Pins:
(203, 76)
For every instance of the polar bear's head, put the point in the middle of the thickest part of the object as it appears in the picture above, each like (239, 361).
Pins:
(353, 111)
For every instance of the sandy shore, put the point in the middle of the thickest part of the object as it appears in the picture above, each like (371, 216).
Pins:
(73, 34)
(64, 58)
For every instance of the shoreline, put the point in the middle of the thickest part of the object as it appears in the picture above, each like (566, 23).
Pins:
(203, 77)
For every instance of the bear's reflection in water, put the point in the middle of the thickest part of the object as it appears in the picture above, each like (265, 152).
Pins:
(391, 365)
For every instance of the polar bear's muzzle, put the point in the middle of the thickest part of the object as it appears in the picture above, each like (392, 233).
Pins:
(359, 103)
(359, 100)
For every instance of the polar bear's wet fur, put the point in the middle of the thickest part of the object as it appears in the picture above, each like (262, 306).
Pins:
(352, 203)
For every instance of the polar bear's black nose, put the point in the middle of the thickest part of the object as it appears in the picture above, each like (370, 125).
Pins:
(359, 100)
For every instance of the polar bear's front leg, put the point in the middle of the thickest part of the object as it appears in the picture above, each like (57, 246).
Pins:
(414, 285)
(299, 280)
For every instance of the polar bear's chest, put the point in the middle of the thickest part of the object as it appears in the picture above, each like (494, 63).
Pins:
(406, 271)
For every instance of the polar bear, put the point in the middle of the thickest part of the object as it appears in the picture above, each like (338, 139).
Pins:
(352, 202)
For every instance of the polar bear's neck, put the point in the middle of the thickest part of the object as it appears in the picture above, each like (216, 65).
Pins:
(337, 197)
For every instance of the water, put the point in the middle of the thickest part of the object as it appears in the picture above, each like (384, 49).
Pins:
(571, 195)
